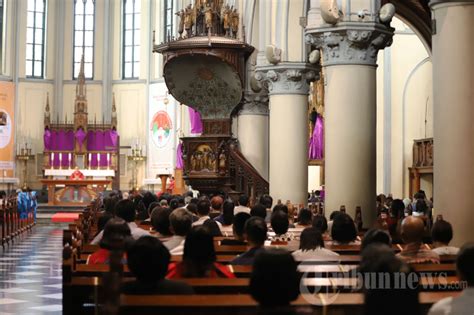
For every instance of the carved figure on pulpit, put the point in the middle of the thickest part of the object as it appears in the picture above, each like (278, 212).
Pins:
(205, 159)
(208, 17)
(234, 23)
(217, 5)
(222, 162)
(226, 19)
(212, 162)
(193, 162)
(180, 14)
(199, 163)
(188, 20)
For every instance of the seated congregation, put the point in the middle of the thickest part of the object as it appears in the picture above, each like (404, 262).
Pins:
(179, 254)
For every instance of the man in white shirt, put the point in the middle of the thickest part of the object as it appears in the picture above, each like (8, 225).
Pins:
(203, 209)
(442, 234)
(125, 209)
(463, 304)
(180, 221)
(243, 205)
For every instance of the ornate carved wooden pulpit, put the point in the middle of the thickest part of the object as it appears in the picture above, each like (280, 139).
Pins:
(204, 68)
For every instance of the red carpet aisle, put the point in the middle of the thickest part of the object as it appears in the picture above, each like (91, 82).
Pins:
(30, 272)
(64, 217)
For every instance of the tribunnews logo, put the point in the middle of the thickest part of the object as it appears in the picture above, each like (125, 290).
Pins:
(322, 283)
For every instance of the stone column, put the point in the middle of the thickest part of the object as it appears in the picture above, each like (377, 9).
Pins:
(453, 83)
(253, 131)
(349, 58)
(288, 88)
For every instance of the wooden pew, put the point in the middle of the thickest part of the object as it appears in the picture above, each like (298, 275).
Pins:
(342, 303)
(11, 224)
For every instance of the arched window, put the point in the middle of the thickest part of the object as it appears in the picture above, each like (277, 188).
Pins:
(35, 35)
(168, 19)
(84, 25)
(131, 39)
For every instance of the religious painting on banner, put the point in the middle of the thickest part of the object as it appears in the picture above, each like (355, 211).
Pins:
(7, 157)
(161, 131)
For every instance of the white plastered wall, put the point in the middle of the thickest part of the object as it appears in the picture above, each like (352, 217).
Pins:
(404, 100)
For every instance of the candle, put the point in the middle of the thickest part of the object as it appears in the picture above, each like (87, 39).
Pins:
(70, 160)
(52, 160)
(89, 160)
(98, 160)
(108, 159)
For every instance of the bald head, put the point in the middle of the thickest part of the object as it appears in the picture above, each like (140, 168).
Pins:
(413, 229)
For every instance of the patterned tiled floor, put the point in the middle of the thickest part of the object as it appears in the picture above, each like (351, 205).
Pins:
(30, 272)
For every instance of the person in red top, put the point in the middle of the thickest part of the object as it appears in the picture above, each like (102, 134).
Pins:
(199, 258)
(77, 174)
(116, 236)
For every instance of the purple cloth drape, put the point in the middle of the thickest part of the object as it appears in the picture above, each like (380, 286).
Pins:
(112, 137)
(61, 140)
(102, 140)
(47, 137)
(196, 122)
(179, 157)
(80, 137)
(316, 143)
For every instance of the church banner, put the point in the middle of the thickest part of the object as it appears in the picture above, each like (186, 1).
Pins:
(161, 131)
(7, 152)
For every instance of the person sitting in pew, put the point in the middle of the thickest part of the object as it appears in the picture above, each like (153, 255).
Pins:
(280, 225)
(385, 290)
(259, 210)
(243, 205)
(343, 230)
(415, 251)
(227, 216)
(284, 208)
(320, 223)
(331, 220)
(312, 247)
(148, 261)
(238, 230)
(151, 207)
(375, 236)
(125, 209)
(255, 234)
(180, 225)
(199, 258)
(160, 221)
(267, 202)
(212, 227)
(102, 221)
(216, 206)
(305, 218)
(274, 282)
(116, 236)
(203, 210)
(442, 234)
(464, 304)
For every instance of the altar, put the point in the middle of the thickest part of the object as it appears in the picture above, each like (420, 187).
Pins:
(70, 192)
(91, 146)
(96, 174)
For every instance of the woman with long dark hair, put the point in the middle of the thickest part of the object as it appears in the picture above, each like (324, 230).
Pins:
(199, 258)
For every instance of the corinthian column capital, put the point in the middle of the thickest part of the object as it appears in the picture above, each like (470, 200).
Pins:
(354, 43)
(287, 77)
